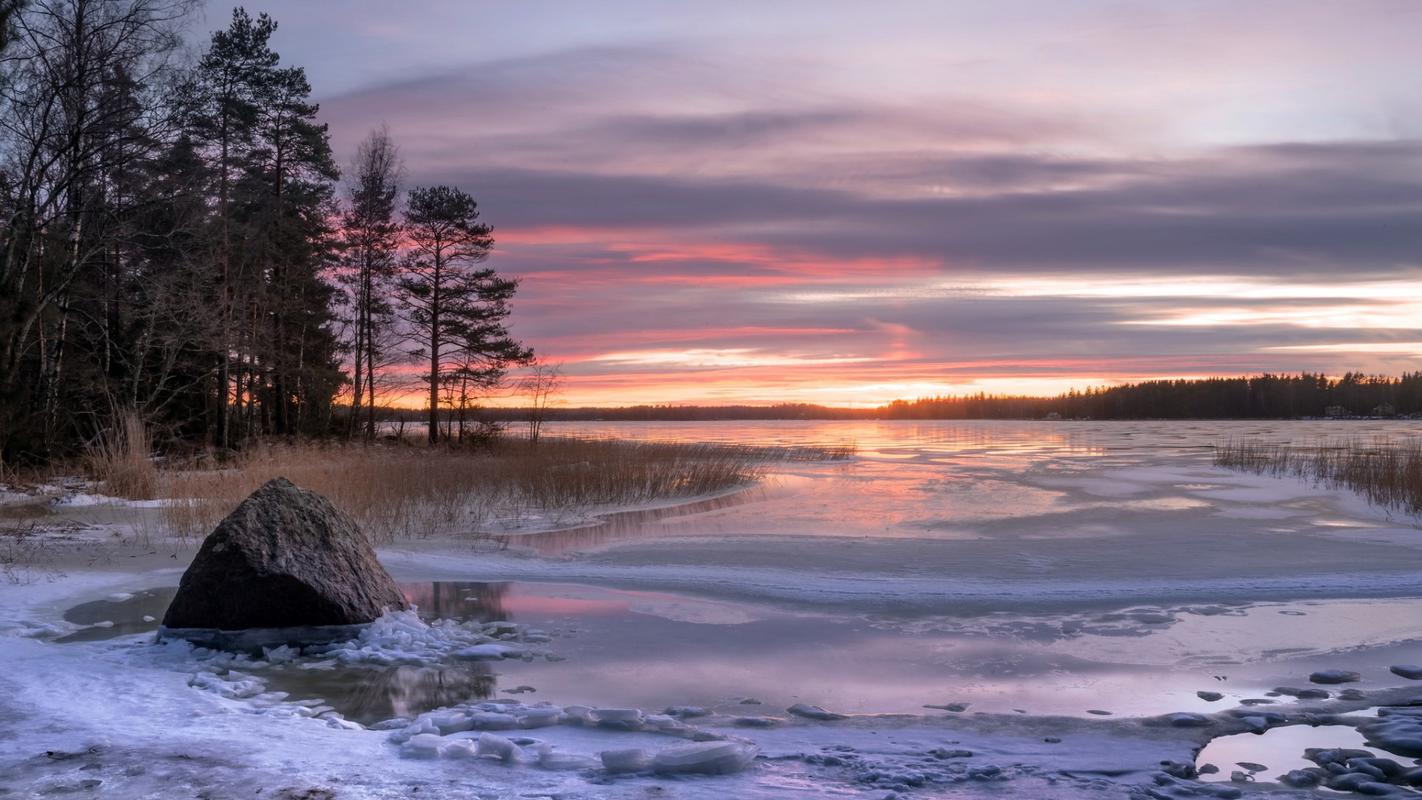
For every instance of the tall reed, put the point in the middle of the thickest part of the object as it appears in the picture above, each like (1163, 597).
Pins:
(1387, 472)
(397, 490)
(120, 458)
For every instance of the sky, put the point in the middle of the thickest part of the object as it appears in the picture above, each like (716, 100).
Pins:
(848, 203)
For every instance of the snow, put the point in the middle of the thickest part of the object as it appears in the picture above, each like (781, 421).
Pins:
(1095, 539)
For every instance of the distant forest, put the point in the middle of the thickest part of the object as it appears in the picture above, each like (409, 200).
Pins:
(1261, 397)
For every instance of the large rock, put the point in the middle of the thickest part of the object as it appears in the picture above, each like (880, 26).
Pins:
(284, 558)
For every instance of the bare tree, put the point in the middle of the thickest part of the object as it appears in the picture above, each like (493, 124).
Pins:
(541, 384)
(371, 239)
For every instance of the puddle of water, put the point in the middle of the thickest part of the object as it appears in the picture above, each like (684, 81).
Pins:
(1278, 749)
(651, 649)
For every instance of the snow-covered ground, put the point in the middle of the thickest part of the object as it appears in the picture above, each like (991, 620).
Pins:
(994, 609)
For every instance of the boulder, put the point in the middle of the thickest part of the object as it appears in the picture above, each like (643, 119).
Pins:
(284, 558)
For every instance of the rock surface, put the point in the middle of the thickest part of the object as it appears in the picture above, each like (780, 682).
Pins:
(283, 558)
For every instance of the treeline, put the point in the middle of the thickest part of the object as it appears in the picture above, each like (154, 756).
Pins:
(174, 244)
(1260, 397)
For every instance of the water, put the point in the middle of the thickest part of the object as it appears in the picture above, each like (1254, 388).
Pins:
(1052, 568)
(653, 649)
(1279, 750)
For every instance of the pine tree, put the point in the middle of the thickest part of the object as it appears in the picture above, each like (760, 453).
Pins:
(456, 309)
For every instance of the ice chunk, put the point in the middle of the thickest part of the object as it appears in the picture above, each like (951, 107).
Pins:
(707, 758)
(552, 759)
(492, 721)
(540, 717)
(625, 760)
(423, 745)
(491, 744)
(814, 712)
(618, 718)
(450, 721)
(1412, 672)
(461, 748)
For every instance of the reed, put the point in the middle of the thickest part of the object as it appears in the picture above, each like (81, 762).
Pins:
(397, 490)
(120, 458)
(1387, 472)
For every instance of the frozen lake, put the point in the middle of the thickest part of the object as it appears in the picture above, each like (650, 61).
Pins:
(1035, 594)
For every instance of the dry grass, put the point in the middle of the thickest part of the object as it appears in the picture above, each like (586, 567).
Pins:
(1386, 472)
(397, 490)
(121, 459)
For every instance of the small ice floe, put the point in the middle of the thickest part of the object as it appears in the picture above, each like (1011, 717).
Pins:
(686, 712)
(149, 618)
(1186, 719)
(815, 713)
(706, 758)
(495, 746)
(119, 597)
(1412, 672)
(629, 760)
(756, 722)
(551, 759)
(1098, 712)
(403, 638)
(1332, 676)
(1209, 697)
(956, 708)
(423, 745)
(108, 623)
(622, 719)
(234, 685)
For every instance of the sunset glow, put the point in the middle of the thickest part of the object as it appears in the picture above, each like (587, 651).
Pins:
(751, 204)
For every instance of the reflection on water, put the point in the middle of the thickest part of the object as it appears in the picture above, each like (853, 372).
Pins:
(654, 649)
(1279, 750)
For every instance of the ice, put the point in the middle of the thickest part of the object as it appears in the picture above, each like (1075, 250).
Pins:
(1412, 672)
(561, 762)
(814, 712)
(423, 745)
(618, 718)
(488, 652)
(628, 760)
(498, 747)
(401, 637)
(492, 721)
(710, 758)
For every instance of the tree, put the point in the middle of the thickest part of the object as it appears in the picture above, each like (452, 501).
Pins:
(456, 310)
(541, 384)
(371, 239)
(271, 191)
(84, 89)
(231, 78)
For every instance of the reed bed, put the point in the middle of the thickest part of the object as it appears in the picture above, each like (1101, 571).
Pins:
(397, 490)
(120, 459)
(1388, 473)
